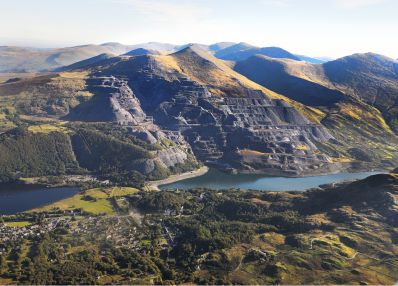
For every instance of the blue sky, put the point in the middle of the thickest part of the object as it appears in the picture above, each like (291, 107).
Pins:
(319, 28)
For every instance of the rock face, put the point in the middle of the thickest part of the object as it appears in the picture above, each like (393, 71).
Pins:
(117, 103)
(189, 105)
(252, 134)
(226, 122)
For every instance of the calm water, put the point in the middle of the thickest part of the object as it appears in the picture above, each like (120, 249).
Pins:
(19, 198)
(215, 179)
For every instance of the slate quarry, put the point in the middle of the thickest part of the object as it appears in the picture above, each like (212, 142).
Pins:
(240, 131)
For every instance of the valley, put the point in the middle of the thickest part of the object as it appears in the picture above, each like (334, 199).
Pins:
(184, 167)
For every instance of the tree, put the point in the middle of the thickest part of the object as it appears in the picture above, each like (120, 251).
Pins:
(3, 264)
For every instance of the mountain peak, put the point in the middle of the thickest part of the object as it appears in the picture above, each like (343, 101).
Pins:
(242, 51)
(87, 62)
(194, 49)
(141, 52)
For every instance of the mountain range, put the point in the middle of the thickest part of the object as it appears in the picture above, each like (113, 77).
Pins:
(25, 59)
(171, 108)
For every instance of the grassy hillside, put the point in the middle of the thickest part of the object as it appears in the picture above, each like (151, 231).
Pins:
(46, 95)
(370, 77)
(291, 79)
(355, 122)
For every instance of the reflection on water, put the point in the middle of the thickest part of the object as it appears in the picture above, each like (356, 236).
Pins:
(215, 179)
(19, 198)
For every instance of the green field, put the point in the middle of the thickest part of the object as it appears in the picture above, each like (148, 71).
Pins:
(95, 201)
(17, 223)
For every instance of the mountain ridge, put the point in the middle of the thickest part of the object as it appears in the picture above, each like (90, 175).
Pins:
(27, 59)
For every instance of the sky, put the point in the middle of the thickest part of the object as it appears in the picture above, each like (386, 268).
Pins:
(331, 28)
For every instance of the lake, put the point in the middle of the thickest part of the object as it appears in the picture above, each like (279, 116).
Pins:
(215, 179)
(19, 198)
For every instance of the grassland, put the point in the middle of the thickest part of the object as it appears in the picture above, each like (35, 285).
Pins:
(18, 223)
(94, 201)
(47, 128)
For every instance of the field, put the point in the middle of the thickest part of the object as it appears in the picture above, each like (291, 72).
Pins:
(94, 201)
(18, 223)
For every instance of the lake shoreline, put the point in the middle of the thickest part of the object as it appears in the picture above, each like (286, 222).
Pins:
(21, 198)
(154, 185)
(217, 180)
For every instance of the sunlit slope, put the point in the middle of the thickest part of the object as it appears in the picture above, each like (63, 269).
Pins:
(353, 119)
(370, 78)
(222, 79)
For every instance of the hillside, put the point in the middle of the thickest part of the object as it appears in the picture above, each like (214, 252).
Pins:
(36, 105)
(370, 77)
(367, 77)
(311, 84)
(243, 51)
(300, 81)
(85, 63)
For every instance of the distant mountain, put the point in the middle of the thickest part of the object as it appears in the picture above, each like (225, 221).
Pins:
(213, 48)
(369, 77)
(234, 49)
(24, 59)
(311, 60)
(243, 51)
(142, 51)
(280, 75)
(220, 46)
(156, 46)
(16, 59)
(198, 46)
(85, 63)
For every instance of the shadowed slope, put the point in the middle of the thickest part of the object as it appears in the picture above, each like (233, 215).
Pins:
(282, 76)
(142, 51)
(354, 122)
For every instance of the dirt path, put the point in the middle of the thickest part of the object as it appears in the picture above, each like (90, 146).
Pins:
(154, 185)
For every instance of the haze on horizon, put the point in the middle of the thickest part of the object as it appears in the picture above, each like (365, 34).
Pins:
(330, 28)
